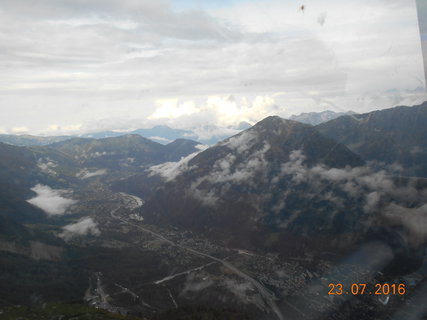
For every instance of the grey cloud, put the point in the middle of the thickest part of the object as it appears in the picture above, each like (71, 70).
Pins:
(322, 18)
(226, 172)
(372, 200)
(414, 221)
(85, 226)
(207, 198)
(417, 150)
(157, 17)
(356, 181)
(394, 204)
(50, 200)
(295, 166)
(118, 57)
(192, 25)
(194, 283)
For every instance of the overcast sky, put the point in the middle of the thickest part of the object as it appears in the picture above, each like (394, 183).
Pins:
(72, 66)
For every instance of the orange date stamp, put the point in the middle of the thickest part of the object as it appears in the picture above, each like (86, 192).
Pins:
(367, 289)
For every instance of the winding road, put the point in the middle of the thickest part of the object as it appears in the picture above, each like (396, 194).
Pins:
(267, 295)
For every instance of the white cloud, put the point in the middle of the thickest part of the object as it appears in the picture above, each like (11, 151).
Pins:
(397, 204)
(227, 171)
(391, 203)
(50, 200)
(224, 169)
(241, 142)
(201, 147)
(85, 173)
(85, 226)
(160, 139)
(170, 109)
(295, 166)
(219, 110)
(47, 165)
(170, 170)
(19, 130)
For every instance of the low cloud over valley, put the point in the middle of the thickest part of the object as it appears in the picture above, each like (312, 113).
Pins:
(50, 200)
(85, 226)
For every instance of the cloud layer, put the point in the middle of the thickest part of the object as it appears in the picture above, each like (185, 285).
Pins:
(85, 226)
(389, 202)
(377, 198)
(170, 170)
(179, 64)
(50, 200)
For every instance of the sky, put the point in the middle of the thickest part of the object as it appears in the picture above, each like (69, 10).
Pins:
(78, 66)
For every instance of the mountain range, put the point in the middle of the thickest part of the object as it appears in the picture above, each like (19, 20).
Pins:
(160, 134)
(253, 226)
(392, 136)
(315, 118)
(254, 184)
(164, 134)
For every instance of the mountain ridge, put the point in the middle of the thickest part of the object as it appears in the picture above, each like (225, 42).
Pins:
(229, 187)
(395, 135)
(315, 118)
